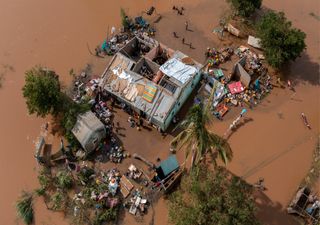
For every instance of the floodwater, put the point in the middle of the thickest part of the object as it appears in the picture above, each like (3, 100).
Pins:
(275, 145)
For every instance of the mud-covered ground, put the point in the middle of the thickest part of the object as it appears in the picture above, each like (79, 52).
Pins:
(275, 145)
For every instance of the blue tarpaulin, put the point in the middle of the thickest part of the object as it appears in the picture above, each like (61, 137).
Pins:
(257, 85)
(142, 22)
(104, 45)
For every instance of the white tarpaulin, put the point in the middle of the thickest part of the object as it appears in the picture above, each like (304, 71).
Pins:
(231, 29)
(254, 42)
(178, 70)
(122, 74)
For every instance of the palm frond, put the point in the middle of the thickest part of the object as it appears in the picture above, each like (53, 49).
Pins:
(196, 138)
(177, 140)
(222, 147)
(210, 100)
(24, 207)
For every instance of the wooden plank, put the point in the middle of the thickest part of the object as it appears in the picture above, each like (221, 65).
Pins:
(124, 192)
(127, 183)
(125, 186)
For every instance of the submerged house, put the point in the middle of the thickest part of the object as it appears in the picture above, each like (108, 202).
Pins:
(152, 79)
(89, 131)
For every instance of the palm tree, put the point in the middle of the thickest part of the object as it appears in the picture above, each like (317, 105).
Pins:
(24, 207)
(197, 139)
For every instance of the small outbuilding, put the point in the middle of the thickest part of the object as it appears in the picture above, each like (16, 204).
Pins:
(89, 131)
(167, 166)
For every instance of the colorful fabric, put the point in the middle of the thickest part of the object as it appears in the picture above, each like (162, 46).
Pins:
(236, 87)
(149, 92)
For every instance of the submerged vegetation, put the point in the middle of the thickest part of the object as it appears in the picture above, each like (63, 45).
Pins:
(24, 206)
(58, 185)
(124, 19)
(245, 8)
(206, 197)
(58, 200)
(44, 96)
(281, 42)
(42, 91)
(64, 180)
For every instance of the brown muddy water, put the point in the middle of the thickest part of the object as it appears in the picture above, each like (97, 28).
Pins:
(275, 145)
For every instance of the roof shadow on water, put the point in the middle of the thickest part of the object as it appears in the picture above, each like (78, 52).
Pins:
(303, 69)
(272, 213)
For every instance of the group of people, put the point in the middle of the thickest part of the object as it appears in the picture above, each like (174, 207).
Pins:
(133, 123)
(179, 11)
(175, 35)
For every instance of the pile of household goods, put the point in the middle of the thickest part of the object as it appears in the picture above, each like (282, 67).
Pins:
(216, 57)
(140, 187)
(84, 87)
(136, 202)
(115, 152)
(98, 190)
(246, 84)
(112, 45)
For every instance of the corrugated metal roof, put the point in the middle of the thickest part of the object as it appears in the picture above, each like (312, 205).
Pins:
(169, 165)
(121, 75)
(87, 125)
(177, 69)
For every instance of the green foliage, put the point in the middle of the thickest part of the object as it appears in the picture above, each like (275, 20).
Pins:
(44, 178)
(84, 176)
(43, 97)
(69, 118)
(206, 197)
(83, 215)
(245, 8)
(280, 41)
(105, 216)
(57, 200)
(42, 91)
(124, 19)
(24, 206)
(64, 180)
(86, 192)
(198, 140)
(40, 191)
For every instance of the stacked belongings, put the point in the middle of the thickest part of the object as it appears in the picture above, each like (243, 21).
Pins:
(115, 153)
(133, 172)
(137, 203)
